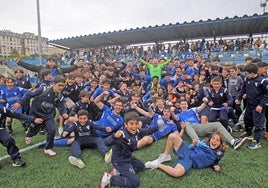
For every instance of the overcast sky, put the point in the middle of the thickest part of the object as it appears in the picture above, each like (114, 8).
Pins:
(69, 18)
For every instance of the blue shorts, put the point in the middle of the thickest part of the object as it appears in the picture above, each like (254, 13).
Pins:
(183, 155)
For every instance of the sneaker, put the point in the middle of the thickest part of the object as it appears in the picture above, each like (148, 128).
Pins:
(27, 140)
(152, 164)
(114, 172)
(254, 145)
(18, 162)
(105, 180)
(42, 132)
(50, 152)
(76, 162)
(164, 158)
(240, 142)
(237, 127)
(108, 156)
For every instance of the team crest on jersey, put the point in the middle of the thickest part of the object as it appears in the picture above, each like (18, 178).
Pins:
(131, 170)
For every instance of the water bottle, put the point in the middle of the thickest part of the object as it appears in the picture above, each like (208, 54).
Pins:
(160, 123)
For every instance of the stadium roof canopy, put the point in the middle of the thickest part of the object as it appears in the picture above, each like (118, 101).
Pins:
(245, 25)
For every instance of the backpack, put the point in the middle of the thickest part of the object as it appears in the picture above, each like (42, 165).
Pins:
(202, 156)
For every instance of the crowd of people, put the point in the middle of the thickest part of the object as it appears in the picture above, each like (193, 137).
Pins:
(120, 107)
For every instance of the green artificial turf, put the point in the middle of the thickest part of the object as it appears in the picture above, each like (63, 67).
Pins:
(242, 168)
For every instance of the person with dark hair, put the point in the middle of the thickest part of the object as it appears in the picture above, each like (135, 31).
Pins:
(111, 117)
(45, 78)
(52, 65)
(219, 101)
(124, 142)
(111, 94)
(262, 71)
(44, 104)
(155, 69)
(195, 129)
(256, 89)
(85, 138)
(11, 94)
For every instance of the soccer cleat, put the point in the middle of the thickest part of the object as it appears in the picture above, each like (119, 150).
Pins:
(76, 162)
(229, 129)
(105, 180)
(27, 140)
(164, 158)
(108, 156)
(50, 152)
(240, 142)
(18, 162)
(254, 145)
(114, 172)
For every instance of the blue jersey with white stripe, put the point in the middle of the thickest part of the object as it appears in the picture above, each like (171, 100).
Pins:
(109, 119)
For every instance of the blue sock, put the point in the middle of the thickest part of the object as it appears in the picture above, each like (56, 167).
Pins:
(61, 142)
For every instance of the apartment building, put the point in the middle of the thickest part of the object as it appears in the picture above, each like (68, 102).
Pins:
(26, 43)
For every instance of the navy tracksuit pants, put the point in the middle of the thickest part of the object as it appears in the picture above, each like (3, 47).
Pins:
(88, 142)
(128, 173)
(9, 143)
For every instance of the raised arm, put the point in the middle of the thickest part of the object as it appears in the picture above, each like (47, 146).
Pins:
(28, 66)
(143, 62)
(98, 99)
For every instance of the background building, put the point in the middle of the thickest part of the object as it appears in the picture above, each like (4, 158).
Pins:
(26, 43)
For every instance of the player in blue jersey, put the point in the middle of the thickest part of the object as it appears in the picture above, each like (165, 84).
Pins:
(199, 154)
(111, 117)
(169, 123)
(11, 94)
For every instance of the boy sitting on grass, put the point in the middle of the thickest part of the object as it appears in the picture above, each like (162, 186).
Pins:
(85, 138)
(199, 154)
